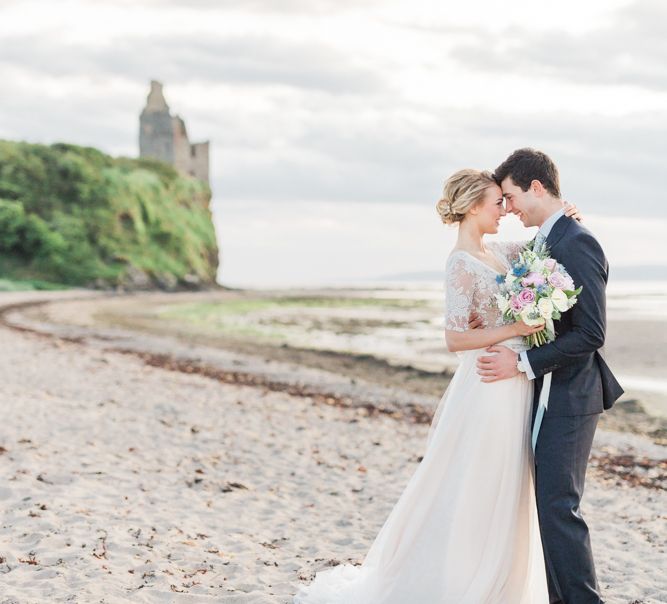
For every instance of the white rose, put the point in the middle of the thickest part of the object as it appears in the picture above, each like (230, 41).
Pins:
(559, 300)
(546, 307)
(526, 314)
(509, 279)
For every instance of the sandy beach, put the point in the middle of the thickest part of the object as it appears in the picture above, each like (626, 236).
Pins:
(148, 466)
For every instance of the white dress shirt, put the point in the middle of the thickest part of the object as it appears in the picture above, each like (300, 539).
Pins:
(544, 230)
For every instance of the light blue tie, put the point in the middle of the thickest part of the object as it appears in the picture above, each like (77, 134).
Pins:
(539, 240)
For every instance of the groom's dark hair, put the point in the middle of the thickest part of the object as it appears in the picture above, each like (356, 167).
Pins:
(526, 165)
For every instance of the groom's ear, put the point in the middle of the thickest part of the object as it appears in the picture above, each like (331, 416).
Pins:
(537, 188)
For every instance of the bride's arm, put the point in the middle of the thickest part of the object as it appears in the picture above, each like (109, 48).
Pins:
(481, 338)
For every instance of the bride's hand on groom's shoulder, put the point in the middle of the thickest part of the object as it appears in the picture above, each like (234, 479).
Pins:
(572, 211)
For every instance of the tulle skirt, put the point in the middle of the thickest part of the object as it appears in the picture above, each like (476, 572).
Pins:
(465, 529)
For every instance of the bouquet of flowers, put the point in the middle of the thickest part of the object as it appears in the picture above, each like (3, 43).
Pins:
(537, 289)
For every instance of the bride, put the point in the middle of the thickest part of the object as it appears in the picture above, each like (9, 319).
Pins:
(465, 529)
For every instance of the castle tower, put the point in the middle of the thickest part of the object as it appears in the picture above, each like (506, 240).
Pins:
(164, 137)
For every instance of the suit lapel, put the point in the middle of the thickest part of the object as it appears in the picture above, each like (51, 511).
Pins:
(558, 230)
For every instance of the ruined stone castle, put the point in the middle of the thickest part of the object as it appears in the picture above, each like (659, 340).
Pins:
(164, 137)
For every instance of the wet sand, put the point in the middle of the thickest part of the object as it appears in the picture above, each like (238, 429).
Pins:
(633, 348)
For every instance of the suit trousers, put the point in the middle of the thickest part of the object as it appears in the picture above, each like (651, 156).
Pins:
(561, 457)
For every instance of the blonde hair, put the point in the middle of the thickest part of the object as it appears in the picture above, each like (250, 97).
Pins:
(463, 190)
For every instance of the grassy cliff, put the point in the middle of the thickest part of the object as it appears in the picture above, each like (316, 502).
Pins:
(76, 216)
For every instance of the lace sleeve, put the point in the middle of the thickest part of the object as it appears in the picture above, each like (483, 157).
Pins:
(459, 291)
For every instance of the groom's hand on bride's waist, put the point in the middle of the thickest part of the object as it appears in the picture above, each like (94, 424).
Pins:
(497, 366)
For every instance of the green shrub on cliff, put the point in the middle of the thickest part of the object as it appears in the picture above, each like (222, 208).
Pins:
(74, 215)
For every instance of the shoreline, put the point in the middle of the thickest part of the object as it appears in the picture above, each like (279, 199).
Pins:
(351, 379)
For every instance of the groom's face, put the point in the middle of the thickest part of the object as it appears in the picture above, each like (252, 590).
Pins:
(520, 203)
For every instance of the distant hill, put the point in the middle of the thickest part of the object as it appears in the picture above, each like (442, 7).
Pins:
(76, 216)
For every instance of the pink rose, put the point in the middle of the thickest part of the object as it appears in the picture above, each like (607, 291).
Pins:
(550, 264)
(557, 280)
(526, 297)
(533, 279)
(515, 304)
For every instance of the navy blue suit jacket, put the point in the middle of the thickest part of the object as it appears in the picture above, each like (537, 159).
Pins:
(582, 383)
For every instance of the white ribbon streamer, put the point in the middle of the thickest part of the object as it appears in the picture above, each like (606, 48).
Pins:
(542, 405)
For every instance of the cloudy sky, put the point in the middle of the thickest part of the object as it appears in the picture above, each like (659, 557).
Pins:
(333, 123)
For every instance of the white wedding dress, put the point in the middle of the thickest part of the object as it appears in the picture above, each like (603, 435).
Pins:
(465, 529)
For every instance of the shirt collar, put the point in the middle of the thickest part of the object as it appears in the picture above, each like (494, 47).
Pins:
(548, 224)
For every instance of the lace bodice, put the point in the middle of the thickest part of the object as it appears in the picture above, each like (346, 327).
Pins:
(471, 285)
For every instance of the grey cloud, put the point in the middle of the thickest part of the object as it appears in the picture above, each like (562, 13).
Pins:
(606, 167)
(336, 148)
(609, 165)
(250, 60)
(102, 122)
(631, 50)
(350, 147)
(335, 151)
(266, 6)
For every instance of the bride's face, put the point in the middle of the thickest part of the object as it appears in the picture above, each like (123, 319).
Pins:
(490, 210)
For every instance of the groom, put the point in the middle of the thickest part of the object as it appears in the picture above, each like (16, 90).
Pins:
(582, 385)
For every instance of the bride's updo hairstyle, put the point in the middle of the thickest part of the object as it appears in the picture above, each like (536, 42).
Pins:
(463, 190)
